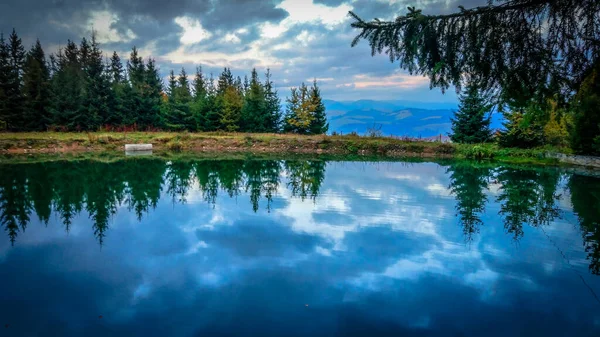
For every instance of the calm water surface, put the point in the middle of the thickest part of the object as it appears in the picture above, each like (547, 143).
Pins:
(144, 247)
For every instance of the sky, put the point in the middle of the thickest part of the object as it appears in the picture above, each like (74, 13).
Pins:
(299, 40)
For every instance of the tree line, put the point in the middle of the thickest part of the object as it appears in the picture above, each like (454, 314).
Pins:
(77, 89)
(526, 197)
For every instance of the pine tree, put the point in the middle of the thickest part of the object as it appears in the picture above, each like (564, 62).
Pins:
(4, 82)
(318, 124)
(136, 74)
(210, 110)
(116, 69)
(14, 109)
(471, 123)
(36, 90)
(152, 95)
(172, 86)
(272, 105)
(183, 94)
(67, 88)
(254, 116)
(176, 111)
(135, 69)
(232, 109)
(95, 107)
(117, 104)
(199, 85)
(225, 80)
(292, 107)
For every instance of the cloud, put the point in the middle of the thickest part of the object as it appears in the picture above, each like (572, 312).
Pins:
(102, 22)
(399, 80)
(193, 32)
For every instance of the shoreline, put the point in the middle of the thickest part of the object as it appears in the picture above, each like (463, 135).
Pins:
(218, 143)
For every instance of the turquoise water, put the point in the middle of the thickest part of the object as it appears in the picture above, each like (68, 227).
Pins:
(145, 247)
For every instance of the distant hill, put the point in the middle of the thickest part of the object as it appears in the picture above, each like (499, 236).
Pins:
(398, 118)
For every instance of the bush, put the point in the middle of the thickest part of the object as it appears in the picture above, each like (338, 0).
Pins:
(175, 145)
(479, 152)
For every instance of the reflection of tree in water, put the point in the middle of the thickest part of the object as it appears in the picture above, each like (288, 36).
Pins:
(585, 197)
(15, 206)
(144, 183)
(468, 184)
(305, 177)
(179, 179)
(67, 188)
(527, 197)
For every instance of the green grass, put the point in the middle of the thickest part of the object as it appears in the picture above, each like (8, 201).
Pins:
(107, 143)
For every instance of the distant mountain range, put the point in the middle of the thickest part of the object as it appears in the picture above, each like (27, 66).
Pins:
(398, 118)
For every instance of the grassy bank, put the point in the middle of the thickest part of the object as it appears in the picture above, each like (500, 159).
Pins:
(168, 144)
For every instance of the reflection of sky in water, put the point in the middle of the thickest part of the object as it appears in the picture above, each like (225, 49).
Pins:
(380, 252)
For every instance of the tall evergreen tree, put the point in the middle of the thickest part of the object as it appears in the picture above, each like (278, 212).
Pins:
(292, 107)
(36, 89)
(199, 85)
(272, 105)
(253, 117)
(471, 123)
(67, 88)
(136, 74)
(14, 109)
(117, 101)
(151, 96)
(225, 80)
(183, 94)
(97, 91)
(4, 82)
(210, 110)
(233, 102)
(318, 124)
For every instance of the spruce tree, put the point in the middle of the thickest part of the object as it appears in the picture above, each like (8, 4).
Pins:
(272, 105)
(471, 123)
(136, 74)
(199, 85)
(225, 80)
(210, 110)
(151, 96)
(318, 124)
(36, 90)
(231, 109)
(4, 82)
(97, 91)
(14, 110)
(67, 88)
(253, 116)
(117, 105)
(292, 107)
(183, 94)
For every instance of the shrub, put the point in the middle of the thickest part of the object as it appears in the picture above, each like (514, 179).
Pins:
(175, 145)
(479, 152)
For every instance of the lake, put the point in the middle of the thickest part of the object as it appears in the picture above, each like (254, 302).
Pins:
(148, 247)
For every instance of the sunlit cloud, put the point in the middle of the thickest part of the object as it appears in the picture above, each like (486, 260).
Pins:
(193, 32)
(403, 81)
